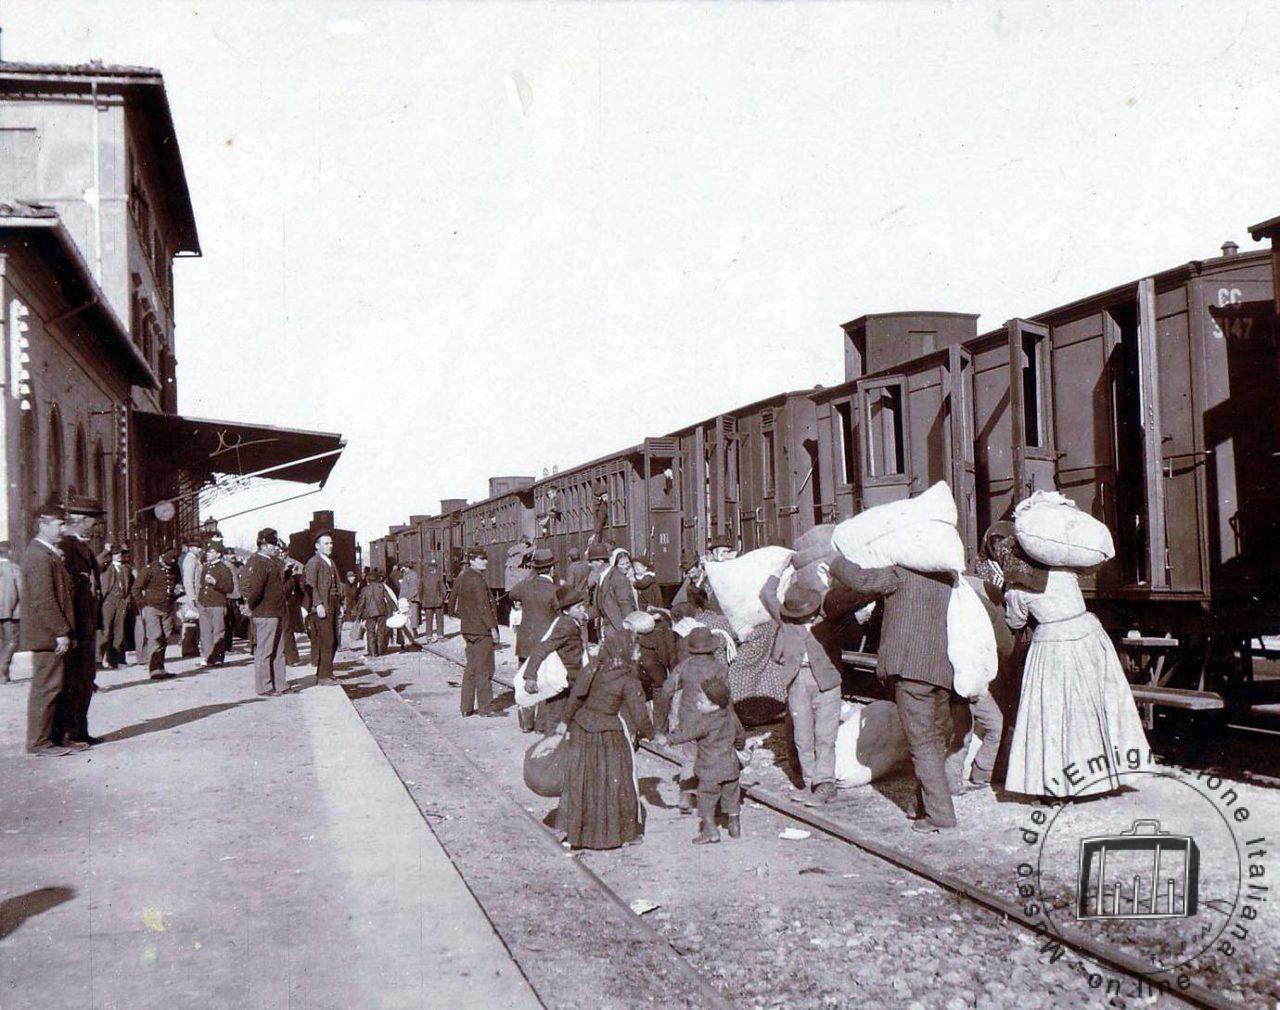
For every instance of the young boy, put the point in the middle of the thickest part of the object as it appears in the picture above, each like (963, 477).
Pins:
(719, 736)
(700, 665)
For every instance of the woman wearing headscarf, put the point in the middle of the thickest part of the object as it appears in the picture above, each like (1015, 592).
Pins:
(617, 596)
(600, 801)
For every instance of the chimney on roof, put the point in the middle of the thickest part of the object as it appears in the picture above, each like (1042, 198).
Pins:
(1229, 248)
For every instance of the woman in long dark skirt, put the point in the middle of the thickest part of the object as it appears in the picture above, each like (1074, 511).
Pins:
(600, 802)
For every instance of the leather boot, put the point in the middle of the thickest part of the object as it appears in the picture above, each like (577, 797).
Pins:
(688, 801)
(735, 826)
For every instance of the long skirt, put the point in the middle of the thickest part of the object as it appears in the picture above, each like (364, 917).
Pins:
(600, 802)
(1078, 729)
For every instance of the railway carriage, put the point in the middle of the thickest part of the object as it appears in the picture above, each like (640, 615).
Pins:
(498, 522)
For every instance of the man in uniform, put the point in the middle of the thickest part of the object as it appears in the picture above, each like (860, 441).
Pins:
(324, 600)
(48, 617)
(216, 582)
(473, 606)
(535, 600)
(263, 587)
(80, 665)
(154, 592)
(115, 584)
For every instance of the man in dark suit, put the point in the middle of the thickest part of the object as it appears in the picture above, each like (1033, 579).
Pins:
(473, 606)
(434, 595)
(115, 584)
(535, 598)
(154, 592)
(262, 584)
(324, 600)
(913, 651)
(216, 581)
(48, 617)
(80, 665)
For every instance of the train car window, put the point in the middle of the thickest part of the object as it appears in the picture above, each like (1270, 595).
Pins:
(886, 452)
(767, 460)
(844, 434)
(732, 470)
(1035, 352)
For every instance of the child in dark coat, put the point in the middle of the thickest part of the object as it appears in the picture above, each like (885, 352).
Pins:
(374, 607)
(719, 736)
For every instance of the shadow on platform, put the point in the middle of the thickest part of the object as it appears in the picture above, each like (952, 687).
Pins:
(21, 907)
(175, 719)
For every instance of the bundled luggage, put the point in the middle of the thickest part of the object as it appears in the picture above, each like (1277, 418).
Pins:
(918, 533)
(737, 584)
(1051, 530)
(869, 744)
(551, 680)
(544, 765)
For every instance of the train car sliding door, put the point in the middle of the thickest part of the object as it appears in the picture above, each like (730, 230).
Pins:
(662, 483)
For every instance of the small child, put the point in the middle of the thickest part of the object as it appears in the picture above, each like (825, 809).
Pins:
(719, 737)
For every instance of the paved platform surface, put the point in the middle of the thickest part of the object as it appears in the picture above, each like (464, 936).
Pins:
(225, 850)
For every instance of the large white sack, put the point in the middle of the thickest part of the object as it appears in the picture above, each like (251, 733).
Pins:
(917, 533)
(551, 680)
(1054, 532)
(971, 641)
(869, 744)
(814, 544)
(737, 584)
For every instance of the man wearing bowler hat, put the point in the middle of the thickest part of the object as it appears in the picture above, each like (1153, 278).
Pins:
(48, 620)
(115, 586)
(473, 606)
(535, 601)
(154, 590)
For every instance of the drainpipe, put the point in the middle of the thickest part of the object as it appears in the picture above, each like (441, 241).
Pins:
(97, 191)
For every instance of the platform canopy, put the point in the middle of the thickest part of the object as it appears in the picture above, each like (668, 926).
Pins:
(201, 446)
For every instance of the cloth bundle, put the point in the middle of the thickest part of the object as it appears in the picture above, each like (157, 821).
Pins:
(551, 680)
(869, 744)
(920, 533)
(737, 584)
(544, 765)
(1054, 532)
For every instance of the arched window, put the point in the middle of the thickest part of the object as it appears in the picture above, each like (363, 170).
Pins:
(80, 471)
(53, 458)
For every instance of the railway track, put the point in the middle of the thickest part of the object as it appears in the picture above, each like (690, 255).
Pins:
(1087, 947)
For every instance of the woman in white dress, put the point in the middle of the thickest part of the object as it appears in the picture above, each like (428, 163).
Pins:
(1077, 727)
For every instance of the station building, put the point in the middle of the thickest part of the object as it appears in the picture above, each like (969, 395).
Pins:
(94, 208)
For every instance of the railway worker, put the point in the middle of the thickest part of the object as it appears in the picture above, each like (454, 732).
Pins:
(48, 622)
(154, 592)
(324, 600)
(264, 594)
(718, 736)
(600, 801)
(564, 638)
(115, 584)
(80, 669)
(189, 568)
(434, 595)
(216, 583)
(473, 606)
(617, 596)
(688, 677)
(10, 609)
(913, 651)
(535, 600)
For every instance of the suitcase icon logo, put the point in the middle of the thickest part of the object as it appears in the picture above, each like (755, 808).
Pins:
(1141, 873)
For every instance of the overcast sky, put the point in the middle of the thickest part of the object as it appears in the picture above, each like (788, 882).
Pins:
(485, 239)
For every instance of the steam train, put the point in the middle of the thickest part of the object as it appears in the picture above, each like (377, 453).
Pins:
(1151, 404)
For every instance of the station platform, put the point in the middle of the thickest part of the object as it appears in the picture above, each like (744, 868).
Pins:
(225, 850)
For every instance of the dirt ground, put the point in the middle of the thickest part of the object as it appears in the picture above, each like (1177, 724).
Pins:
(815, 922)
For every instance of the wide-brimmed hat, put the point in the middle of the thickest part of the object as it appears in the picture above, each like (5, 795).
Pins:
(567, 596)
(79, 505)
(801, 603)
(542, 559)
(702, 640)
(477, 552)
(597, 552)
